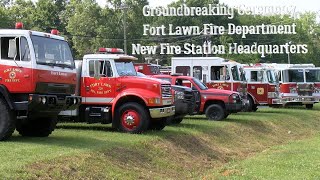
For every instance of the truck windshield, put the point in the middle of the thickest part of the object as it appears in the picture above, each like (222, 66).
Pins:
(293, 75)
(154, 69)
(52, 52)
(199, 84)
(235, 73)
(313, 75)
(271, 77)
(125, 68)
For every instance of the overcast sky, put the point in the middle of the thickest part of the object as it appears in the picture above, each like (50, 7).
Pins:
(301, 5)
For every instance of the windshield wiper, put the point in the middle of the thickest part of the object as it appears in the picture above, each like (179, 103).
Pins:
(46, 63)
(64, 65)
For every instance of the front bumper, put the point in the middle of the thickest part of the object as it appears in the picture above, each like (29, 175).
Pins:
(298, 100)
(162, 112)
(49, 103)
(235, 107)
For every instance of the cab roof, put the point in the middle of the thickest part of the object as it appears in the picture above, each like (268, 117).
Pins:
(23, 32)
(110, 56)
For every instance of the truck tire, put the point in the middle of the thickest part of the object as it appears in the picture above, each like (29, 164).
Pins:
(177, 120)
(7, 121)
(309, 106)
(215, 112)
(158, 124)
(133, 118)
(37, 127)
(251, 106)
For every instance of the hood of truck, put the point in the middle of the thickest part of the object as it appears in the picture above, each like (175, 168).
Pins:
(223, 92)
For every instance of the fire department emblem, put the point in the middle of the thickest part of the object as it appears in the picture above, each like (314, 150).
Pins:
(12, 75)
(260, 91)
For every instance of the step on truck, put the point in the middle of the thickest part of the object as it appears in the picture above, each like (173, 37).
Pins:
(112, 92)
(216, 104)
(263, 86)
(37, 81)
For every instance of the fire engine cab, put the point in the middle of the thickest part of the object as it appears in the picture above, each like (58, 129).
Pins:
(263, 87)
(299, 84)
(112, 92)
(215, 72)
(147, 68)
(37, 81)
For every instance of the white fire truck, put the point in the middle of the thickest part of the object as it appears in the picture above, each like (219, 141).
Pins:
(112, 92)
(299, 84)
(215, 72)
(37, 81)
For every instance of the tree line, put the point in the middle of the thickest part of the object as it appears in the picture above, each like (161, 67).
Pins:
(88, 26)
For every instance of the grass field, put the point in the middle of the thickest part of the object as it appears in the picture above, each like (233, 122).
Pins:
(270, 144)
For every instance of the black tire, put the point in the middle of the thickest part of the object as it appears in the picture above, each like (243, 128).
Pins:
(177, 120)
(7, 121)
(37, 127)
(309, 106)
(158, 124)
(251, 106)
(226, 115)
(215, 112)
(130, 112)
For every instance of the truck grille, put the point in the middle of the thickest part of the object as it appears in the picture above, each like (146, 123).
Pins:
(166, 90)
(305, 89)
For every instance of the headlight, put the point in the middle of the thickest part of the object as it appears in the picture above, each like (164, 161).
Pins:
(154, 101)
(44, 100)
(235, 98)
(178, 95)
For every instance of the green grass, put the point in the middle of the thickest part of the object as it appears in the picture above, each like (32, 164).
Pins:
(195, 148)
(296, 160)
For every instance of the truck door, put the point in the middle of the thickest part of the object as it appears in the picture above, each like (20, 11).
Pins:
(257, 86)
(220, 78)
(16, 68)
(99, 90)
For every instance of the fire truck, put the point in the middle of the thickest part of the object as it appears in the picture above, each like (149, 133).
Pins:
(298, 84)
(37, 81)
(147, 68)
(263, 86)
(216, 104)
(112, 92)
(215, 72)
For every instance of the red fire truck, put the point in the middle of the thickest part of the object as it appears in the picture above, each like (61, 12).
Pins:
(263, 86)
(215, 72)
(37, 81)
(147, 68)
(216, 104)
(298, 84)
(112, 92)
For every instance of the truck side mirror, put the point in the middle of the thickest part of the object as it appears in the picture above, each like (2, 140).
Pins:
(12, 53)
(96, 66)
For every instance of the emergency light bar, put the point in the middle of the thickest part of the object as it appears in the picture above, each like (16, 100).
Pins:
(19, 25)
(55, 32)
(111, 50)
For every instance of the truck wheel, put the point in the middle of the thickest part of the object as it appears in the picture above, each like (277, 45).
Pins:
(215, 112)
(158, 124)
(7, 121)
(177, 120)
(37, 127)
(309, 106)
(251, 106)
(133, 118)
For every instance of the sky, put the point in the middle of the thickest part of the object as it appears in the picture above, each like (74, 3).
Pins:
(301, 5)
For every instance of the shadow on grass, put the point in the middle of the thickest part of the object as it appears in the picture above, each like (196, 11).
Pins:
(75, 142)
(96, 127)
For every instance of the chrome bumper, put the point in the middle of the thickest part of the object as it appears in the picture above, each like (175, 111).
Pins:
(162, 112)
